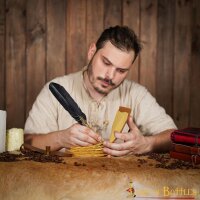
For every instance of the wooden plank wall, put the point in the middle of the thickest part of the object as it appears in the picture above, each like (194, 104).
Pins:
(2, 54)
(42, 39)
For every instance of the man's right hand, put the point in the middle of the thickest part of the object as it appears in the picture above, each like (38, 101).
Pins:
(75, 135)
(78, 135)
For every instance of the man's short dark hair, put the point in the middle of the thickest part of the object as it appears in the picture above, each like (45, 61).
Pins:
(121, 37)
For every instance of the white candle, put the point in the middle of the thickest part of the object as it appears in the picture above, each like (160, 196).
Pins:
(14, 139)
(2, 130)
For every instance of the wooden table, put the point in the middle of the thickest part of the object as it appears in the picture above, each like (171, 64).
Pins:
(96, 179)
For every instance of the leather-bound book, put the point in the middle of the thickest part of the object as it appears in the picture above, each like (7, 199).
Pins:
(195, 159)
(193, 150)
(186, 136)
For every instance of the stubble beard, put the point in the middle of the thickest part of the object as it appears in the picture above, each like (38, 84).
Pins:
(91, 78)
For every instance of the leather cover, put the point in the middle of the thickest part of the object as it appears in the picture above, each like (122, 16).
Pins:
(186, 136)
(193, 150)
(195, 159)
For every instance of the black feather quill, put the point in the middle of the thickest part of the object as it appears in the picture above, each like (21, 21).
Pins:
(68, 103)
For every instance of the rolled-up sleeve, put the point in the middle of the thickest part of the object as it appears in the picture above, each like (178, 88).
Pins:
(149, 116)
(43, 115)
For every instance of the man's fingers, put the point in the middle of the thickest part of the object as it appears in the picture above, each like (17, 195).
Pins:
(78, 142)
(125, 136)
(117, 146)
(85, 134)
(91, 133)
(114, 152)
(131, 124)
(94, 136)
(85, 138)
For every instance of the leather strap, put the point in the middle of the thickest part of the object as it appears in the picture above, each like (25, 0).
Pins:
(29, 147)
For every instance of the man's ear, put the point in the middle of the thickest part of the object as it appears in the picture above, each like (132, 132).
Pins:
(91, 51)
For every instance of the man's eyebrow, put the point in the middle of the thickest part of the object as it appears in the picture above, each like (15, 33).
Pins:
(107, 60)
(123, 69)
(119, 68)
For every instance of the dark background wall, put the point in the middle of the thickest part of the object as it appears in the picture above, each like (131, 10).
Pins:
(42, 39)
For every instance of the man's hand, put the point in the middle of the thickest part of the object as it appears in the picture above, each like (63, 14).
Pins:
(78, 135)
(136, 143)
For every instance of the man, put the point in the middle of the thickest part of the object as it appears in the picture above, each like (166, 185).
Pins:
(99, 89)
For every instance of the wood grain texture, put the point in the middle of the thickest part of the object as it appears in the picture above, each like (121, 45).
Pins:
(165, 54)
(2, 55)
(56, 54)
(43, 39)
(131, 18)
(149, 39)
(182, 62)
(76, 35)
(195, 68)
(35, 50)
(15, 62)
(95, 23)
(112, 13)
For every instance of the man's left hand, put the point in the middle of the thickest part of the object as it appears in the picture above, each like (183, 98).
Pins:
(134, 142)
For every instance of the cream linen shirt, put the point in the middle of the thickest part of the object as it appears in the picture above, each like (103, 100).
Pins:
(48, 115)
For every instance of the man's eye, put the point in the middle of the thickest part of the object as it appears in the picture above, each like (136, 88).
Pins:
(121, 71)
(106, 63)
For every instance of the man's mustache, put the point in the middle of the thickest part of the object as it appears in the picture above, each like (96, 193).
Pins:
(109, 81)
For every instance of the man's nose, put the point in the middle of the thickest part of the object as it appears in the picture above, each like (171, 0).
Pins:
(110, 73)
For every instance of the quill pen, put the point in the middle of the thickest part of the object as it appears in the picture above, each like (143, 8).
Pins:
(68, 103)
